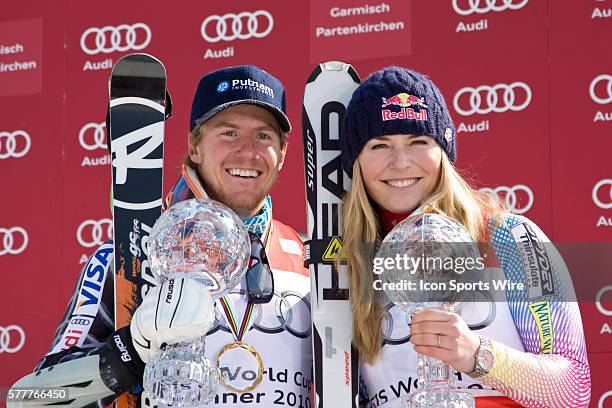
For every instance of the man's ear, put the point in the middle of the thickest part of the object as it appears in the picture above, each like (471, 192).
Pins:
(283, 154)
(193, 154)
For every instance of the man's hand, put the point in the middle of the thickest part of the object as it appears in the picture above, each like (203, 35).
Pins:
(180, 310)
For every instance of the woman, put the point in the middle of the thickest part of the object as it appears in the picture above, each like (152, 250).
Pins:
(399, 144)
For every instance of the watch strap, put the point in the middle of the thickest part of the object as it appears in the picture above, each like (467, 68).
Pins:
(479, 369)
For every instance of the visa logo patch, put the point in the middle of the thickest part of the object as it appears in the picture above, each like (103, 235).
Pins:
(93, 280)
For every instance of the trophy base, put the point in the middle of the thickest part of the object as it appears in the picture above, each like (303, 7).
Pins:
(441, 399)
(180, 377)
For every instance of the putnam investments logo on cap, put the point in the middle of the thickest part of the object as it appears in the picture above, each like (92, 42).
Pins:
(223, 86)
(405, 101)
(243, 84)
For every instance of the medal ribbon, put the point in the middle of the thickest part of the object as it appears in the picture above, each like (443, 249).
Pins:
(238, 333)
(239, 329)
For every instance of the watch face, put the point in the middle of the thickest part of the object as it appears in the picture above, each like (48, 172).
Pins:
(486, 359)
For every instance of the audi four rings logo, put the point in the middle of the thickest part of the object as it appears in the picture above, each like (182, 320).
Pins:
(515, 97)
(12, 339)
(121, 38)
(13, 240)
(242, 26)
(512, 197)
(606, 82)
(603, 398)
(14, 144)
(599, 303)
(467, 7)
(91, 232)
(600, 198)
(289, 308)
(93, 136)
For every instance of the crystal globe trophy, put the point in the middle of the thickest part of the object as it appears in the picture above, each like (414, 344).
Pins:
(203, 240)
(428, 237)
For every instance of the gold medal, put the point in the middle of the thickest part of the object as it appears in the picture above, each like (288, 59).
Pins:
(241, 367)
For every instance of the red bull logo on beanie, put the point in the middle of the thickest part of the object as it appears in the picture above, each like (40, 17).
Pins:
(406, 102)
(404, 113)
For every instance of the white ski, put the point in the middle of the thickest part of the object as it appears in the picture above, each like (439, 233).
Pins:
(328, 91)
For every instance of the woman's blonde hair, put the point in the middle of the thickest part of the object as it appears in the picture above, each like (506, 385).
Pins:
(452, 196)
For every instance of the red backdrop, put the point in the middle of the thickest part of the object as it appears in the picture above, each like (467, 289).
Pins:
(528, 82)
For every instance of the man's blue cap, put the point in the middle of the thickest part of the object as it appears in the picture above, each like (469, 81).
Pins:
(248, 84)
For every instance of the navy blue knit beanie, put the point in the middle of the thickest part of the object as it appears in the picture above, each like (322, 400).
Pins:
(393, 101)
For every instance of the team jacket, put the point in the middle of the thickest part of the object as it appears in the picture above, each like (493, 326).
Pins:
(538, 340)
(280, 330)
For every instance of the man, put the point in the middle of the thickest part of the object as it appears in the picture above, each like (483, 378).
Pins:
(237, 146)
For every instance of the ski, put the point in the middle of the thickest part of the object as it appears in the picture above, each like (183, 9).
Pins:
(327, 93)
(137, 113)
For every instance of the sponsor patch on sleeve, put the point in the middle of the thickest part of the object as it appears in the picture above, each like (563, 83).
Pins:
(536, 262)
(542, 316)
(88, 301)
(290, 246)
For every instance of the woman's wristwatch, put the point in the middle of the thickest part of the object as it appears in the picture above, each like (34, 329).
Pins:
(484, 358)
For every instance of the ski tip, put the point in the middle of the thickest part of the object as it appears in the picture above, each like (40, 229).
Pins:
(354, 74)
(334, 66)
(314, 74)
(139, 64)
(138, 57)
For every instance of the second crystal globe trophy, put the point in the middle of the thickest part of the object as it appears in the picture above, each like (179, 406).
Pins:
(428, 237)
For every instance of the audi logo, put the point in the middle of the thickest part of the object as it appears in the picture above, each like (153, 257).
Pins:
(284, 312)
(7, 339)
(80, 321)
(604, 396)
(97, 131)
(492, 101)
(597, 197)
(121, 38)
(13, 240)
(511, 197)
(10, 145)
(91, 232)
(229, 27)
(607, 80)
(598, 302)
(467, 7)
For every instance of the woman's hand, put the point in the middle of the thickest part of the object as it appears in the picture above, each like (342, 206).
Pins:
(444, 335)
